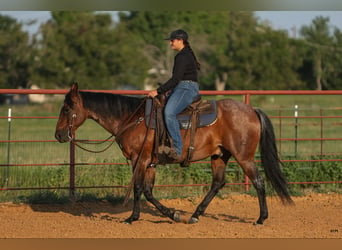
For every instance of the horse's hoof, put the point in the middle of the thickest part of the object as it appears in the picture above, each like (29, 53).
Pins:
(258, 223)
(127, 222)
(193, 220)
(177, 217)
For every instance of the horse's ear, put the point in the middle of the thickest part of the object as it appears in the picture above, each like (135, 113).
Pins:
(74, 87)
(74, 93)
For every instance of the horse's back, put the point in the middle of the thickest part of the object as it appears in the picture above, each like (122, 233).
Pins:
(236, 112)
(238, 124)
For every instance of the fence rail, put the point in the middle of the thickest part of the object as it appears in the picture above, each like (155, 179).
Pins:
(279, 119)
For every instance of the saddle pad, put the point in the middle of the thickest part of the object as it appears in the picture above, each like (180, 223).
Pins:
(207, 116)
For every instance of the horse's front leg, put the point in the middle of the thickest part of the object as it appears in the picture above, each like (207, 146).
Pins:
(138, 188)
(148, 188)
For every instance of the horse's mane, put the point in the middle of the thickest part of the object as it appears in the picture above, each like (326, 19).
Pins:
(106, 104)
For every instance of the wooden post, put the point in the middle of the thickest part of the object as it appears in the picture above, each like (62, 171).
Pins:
(72, 170)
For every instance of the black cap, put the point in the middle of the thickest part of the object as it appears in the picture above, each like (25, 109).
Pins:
(178, 34)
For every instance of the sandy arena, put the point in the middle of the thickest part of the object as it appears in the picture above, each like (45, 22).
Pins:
(313, 216)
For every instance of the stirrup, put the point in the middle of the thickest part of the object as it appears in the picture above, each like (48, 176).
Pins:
(173, 155)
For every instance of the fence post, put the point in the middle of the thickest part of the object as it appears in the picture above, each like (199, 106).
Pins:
(280, 132)
(321, 115)
(296, 129)
(72, 169)
(8, 145)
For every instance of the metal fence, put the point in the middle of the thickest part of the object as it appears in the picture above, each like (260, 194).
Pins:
(287, 122)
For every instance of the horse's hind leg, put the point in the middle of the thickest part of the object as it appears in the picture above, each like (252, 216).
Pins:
(253, 174)
(148, 187)
(218, 165)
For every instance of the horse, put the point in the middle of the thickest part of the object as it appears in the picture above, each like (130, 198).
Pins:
(237, 132)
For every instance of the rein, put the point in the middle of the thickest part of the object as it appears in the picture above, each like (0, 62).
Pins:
(129, 123)
(76, 142)
(134, 166)
(118, 135)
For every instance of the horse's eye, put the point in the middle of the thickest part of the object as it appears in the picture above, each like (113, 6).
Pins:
(66, 109)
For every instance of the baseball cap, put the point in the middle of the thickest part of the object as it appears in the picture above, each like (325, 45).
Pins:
(178, 34)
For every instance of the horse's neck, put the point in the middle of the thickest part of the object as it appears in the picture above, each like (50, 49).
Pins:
(107, 118)
(108, 123)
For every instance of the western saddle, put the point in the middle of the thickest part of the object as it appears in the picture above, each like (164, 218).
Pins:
(200, 113)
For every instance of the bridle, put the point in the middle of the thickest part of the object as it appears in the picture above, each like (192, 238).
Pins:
(76, 142)
(125, 125)
(71, 125)
(128, 123)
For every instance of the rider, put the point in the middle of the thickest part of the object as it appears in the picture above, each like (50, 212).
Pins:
(182, 88)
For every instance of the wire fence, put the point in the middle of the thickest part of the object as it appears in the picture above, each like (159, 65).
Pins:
(21, 134)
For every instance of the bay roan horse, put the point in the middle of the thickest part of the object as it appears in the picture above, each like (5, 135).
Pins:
(238, 131)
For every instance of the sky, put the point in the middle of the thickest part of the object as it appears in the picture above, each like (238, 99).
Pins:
(285, 20)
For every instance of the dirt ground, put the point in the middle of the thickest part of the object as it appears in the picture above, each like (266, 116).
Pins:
(313, 216)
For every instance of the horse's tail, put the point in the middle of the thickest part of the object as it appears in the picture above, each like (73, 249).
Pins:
(269, 158)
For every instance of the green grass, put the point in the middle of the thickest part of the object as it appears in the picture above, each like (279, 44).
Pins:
(57, 175)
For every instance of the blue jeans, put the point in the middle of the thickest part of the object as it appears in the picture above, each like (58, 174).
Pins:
(180, 97)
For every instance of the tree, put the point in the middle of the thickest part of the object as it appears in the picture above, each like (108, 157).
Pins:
(235, 51)
(84, 47)
(207, 32)
(334, 71)
(15, 54)
(152, 28)
(318, 39)
(261, 57)
(128, 58)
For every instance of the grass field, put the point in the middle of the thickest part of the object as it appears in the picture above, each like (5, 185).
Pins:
(45, 153)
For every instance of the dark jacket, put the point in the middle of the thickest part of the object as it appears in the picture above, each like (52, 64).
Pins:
(184, 68)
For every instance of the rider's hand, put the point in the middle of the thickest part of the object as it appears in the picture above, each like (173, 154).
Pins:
(152, 93)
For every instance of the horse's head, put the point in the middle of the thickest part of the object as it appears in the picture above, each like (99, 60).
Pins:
(72, 115)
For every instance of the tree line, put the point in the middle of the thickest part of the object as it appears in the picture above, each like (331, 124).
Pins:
(236, 51)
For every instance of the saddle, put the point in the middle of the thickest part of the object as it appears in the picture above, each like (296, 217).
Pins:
(200, 113)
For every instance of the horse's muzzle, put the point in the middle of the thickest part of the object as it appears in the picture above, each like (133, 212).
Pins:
(62, 136)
